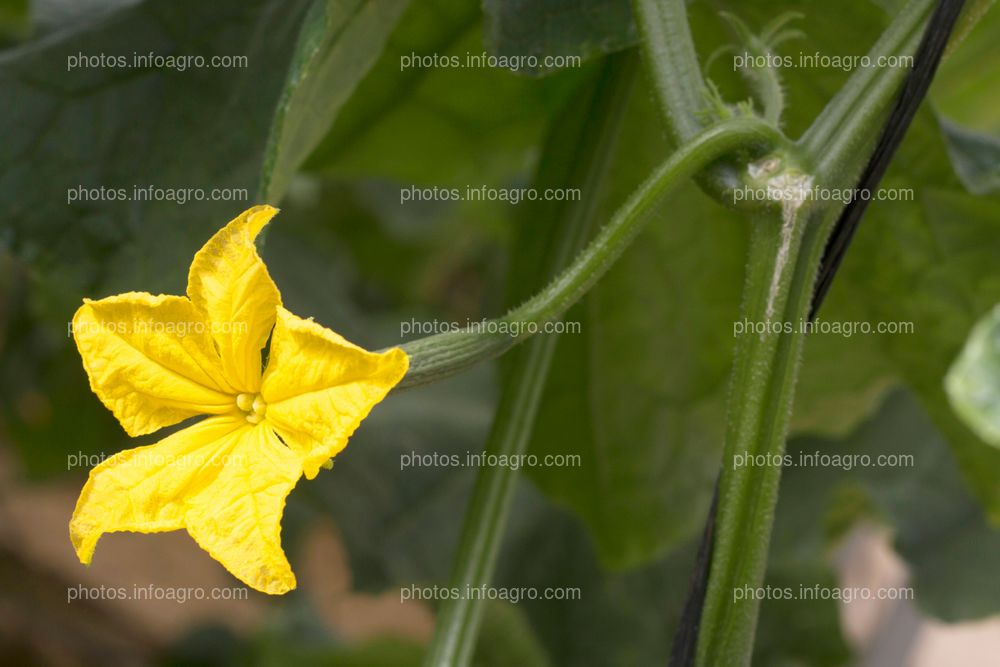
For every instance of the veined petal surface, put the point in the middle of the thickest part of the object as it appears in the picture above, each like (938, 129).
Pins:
(229, 282)
(237, 519)
(150, 360)
(147, 489)
(318, 387)
(222, 479)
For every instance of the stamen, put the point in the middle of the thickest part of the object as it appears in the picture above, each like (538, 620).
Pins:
(252, 406)
(259, 406)
(245, 402)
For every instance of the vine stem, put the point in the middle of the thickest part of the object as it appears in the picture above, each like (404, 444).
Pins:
(783, 260)
(439, 356)
(676, 77)
(785, 254)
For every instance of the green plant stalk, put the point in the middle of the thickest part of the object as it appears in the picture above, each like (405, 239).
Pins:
(766, 368)
(763, 385)
(855, 111)
(458, 620)
(837, 160)
(676, 76)
(442, 355)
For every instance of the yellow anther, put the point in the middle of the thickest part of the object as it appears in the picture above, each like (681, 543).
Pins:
(245, 402)
(259, 406)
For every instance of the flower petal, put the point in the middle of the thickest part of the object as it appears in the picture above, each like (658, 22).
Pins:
(228, 280)
(150, 360)
(318, 387)
(222, 479)
(147, 489)
(237, 519)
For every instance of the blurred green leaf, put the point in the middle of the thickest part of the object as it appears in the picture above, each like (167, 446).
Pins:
(833, 397)
(909, 477)
(618, 618)
(967, 87)
(527, 31)
(373, 653)
(973, 383)
(96, 132)
(394, 491)
(13, 21)
(425, 116)
(339, 43)
(930, 262)
(44, 406)
(975, 156)
(506, 638)
(425, 31)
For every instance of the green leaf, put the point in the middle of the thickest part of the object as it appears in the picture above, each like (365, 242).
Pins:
(13, 21)
(930, 262)
(134, 127)
(967, 87)
(422, 116)
(339, 43)
(619, 619)
(975, 156)
(527, 31)
(939, 529)
(374, 653)
(394, 491)
(424, 33)
(973, 383)
(506, 638)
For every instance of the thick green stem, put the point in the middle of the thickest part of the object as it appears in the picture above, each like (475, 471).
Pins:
(442, 355)
(672, 61)
(766, 367)
(785, 253)
(455, 636)
(855, 113)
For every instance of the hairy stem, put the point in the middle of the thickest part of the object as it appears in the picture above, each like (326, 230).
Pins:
(442, 355)
(766, 367)
(853, 118)
(668, 48)
(784, 256)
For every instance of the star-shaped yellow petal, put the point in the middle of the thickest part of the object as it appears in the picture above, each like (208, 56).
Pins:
(157, 360)
(230, 284)
(150, 360)
(318, 387)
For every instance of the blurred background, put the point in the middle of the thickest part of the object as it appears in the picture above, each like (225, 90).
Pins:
(638, 393)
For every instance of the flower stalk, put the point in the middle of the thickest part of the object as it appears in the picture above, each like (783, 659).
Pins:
(442, 355)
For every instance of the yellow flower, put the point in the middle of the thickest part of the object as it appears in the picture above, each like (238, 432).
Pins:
(157, 360)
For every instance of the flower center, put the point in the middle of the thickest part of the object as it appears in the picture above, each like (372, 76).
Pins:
(252, 406)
